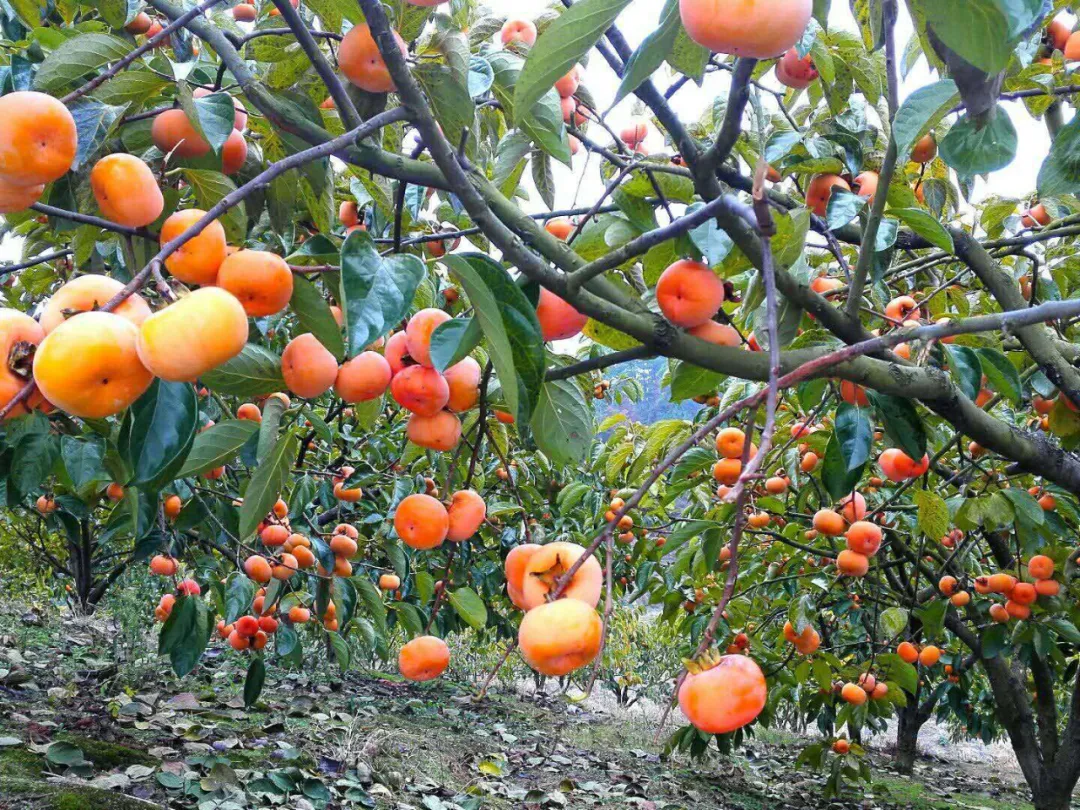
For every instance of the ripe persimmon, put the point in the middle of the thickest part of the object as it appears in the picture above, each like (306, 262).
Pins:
(421, 390)
(193, 335)
(126, 190)
(523, 31)
(514, 569)
(421, 522)
(38, 139)
(140, 24)
(719, 334)
(308, 367)
(261, 281)
(299, 615)
(548, 565)
(853, 394)
(727, 471)
(929, 655)
(925, 149)
(361, 62)
(899, 466)
(418, 333)
(730, 443)
(463, 379)
(258, 569)
(363, 378)
(758, 28)
(558, 319)
(249, 411)
(441, 431)
(466, 512)
(173, 132)
(852, 563)
(723, 693)
(853, 507)
(172, 506)
(389, 582)
(423, 658)
(864, 537)
(794, 71)
(18, 198)
(820, 189)
(197, 260)
(234, 152)
(559, 227)
(89, 366)
(908, 652)
(163, 565)
(689, 293)
(90, 292)
(853, 694)
(865, 185)
(556, 638)
(828, 523)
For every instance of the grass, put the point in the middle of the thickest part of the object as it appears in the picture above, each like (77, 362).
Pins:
(914, 794)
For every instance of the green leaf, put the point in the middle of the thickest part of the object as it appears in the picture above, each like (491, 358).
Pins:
(376, 292)
(238, 597)
(562, 422)
(254, 680)
(33, 459)
(508, 321)
(1060, 172)
(835, 475)
(993, 641)
(217, 445)
(267, 484)
(75, 58)
(925, 225)
(451, 103)
(314, 314)
(118, 13)
(83, 461)
(920, 112)
(253, 372)
(215, 115)
(65, 753)
(94, 123)
(971, 149)
(894, 668)
(452, 341)
(892, 622)
(341, 650)
(983, 32)
(159, 431)
(469, 607)
(652, 52)
(1064, 628)
(185, 634)
(1001, 375)
(372, 599)
(209, 188)
(843, 207)
(544, 122)
(901, 422)
(933, 515)
(855, 435)
(1025, 504)
(572, 35)
(689, 381)
(966, 368)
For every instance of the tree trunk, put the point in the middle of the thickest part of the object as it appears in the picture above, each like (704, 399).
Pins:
(907, 737)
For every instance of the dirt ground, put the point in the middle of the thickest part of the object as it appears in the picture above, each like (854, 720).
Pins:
(80, 730)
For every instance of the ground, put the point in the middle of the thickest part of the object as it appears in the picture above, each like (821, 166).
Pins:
(74, 706)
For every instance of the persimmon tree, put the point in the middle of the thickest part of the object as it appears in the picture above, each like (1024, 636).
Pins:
(288, 322)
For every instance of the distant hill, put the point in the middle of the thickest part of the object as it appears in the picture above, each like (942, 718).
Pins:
(655, 404)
